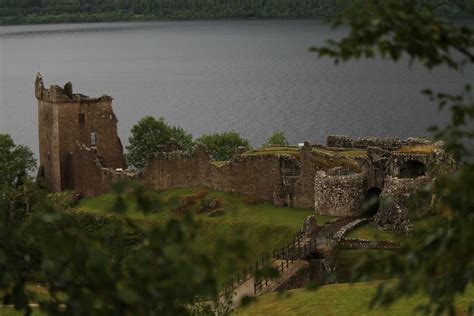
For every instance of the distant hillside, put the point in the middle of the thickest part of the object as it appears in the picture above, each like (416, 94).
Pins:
(64, 11)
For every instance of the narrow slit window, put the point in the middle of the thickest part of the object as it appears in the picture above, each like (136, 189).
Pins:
(82, 118)
(93, 139)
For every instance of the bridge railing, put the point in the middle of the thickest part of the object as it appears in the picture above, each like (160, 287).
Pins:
(300, 247)
(252, 271)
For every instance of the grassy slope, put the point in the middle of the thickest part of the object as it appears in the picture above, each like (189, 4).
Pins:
(262, 225)
(337, 299)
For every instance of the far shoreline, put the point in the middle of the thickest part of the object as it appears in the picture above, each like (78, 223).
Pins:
(140, 18)
(157, 19)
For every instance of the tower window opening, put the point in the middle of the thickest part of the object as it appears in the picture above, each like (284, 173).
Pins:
(93, 139)
(82, 118)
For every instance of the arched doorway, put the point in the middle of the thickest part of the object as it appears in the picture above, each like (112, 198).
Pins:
(372, 201)
(412, 169)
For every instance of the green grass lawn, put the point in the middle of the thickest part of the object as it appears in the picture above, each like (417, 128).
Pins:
(260, 224)
(340, 300)
(371, 232)
(237, 209)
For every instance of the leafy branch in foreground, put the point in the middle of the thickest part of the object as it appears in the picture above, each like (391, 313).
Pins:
(108, 264)
(438, 261)
(394, 28)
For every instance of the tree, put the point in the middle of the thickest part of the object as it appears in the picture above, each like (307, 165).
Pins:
(16, 161)
(278, 139)
(438, 261)
(150, 135)
(223, 146)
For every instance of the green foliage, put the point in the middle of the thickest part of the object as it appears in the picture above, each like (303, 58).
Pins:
(438, 262)
(93, 265)
(15, 162)
(223, 146)
(395, 28)
(150, 135)
(278, 139)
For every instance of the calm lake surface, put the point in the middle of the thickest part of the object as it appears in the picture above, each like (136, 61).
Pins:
(254, 77)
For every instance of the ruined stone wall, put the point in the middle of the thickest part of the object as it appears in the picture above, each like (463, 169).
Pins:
(342, 196)
(89, 177)
(437, 163)
(254, 175)
(394, 213)
(339, 141)
(78, 120)
(177, 170)
(49, 152)
(303, 191)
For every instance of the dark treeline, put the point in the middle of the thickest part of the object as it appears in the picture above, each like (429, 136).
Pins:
(53, 11)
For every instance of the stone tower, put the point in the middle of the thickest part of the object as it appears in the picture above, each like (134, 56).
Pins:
(67, 120)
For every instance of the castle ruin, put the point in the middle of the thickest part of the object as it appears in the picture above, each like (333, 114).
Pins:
(80, 151)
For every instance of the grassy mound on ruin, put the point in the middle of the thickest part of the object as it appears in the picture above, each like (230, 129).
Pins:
(339, 299)
(259, 224)
(324, 158)
(418, 149)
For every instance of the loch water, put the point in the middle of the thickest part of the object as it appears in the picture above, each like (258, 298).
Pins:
(251, 76)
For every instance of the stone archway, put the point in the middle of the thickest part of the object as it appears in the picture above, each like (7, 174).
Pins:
(372, 201)
(412, 169)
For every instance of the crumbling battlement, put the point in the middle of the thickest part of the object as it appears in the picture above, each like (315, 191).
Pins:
(57, 94)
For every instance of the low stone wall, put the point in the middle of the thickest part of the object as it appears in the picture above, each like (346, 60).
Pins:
(350, 227)
(342, 196)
